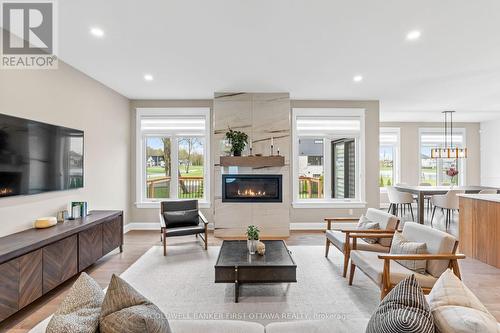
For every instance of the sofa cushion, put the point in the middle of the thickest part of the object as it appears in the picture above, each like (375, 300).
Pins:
(372, 266)
(437, 242)
(181, 218)
(404, 309)
(456, 308)
(80, 309)
(365, 224)
(349, 325)
(338, 240)
(125, 310)
(215, 326)
(385, 220)
(401, 245)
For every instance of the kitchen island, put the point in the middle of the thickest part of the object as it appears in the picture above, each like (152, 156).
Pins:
(479, 232)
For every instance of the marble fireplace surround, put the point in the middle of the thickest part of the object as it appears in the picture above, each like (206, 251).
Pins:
(264, 117)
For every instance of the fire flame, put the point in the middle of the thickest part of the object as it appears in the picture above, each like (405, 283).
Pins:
(251, 193)
(5, 191)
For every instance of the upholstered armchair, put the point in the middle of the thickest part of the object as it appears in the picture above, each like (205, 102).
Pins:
(182, 218)
(344, 230)
(385, 270)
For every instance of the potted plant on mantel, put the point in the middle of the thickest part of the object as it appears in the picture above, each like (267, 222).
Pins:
(238, 141)
(252, 238)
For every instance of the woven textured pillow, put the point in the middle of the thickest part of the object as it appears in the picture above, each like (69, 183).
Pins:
(80, 309)
(404, 309)
(364, 223)
(401, 245)
(125, 310)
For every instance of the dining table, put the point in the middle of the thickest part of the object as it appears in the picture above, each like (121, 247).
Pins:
(422, 191)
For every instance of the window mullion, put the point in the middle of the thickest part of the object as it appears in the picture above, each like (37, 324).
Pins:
(174, 158)
(328, 168)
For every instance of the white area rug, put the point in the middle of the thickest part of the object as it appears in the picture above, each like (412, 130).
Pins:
(182, 285)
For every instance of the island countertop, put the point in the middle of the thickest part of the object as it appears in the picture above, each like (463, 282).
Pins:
(484, 197)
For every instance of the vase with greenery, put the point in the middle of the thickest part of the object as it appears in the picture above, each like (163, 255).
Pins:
(238, 141)
(252, 238)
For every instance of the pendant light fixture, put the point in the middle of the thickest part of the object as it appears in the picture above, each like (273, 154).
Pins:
(448, 150)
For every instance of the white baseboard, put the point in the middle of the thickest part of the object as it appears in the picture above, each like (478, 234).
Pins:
(308, 226)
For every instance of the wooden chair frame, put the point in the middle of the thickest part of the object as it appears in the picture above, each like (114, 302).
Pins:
(163, 232)
(386, 284)
(372, 233)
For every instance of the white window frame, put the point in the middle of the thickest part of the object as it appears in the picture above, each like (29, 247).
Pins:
(141, 198)
(342, 114)
(397, 158)
(462, 171)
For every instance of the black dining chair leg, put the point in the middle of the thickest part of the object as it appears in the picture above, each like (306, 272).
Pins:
(411, 211)
(390, 207)
(433, 212)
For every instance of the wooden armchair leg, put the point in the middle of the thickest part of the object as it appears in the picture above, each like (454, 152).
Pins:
(455, 268)
(386, 279)
(164, 243)
(327, 248)
(351, 273)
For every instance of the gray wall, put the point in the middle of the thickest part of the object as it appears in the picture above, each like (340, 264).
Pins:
(70, 98)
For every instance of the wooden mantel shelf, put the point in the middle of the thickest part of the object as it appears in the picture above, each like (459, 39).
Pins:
(252, 161)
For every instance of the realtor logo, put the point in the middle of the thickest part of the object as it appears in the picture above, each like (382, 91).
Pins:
(28, 35)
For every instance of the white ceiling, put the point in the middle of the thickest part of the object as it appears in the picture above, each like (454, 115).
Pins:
(310, 48)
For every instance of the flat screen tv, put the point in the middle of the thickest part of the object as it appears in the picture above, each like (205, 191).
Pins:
(36, 157)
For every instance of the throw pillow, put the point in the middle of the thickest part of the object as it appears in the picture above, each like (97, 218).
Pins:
(181, 218)
(364, 223)
(125, 310)
(80, 309)
(404, 309)
(401, 245)
(456, 308)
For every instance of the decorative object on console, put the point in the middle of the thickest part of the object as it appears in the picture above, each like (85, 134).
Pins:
(124, 309)
(238, 141)
(80, 309)
(252, 238)
(45, 222)
(261, 248)
(62, 216)
(404, 309)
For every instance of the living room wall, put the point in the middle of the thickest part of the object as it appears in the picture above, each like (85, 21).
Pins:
(67, 97)
(301, 217)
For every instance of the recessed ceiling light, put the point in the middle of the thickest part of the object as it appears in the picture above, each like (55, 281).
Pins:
(97, 32)
(413, 35)
(357, 78)
(148, 77)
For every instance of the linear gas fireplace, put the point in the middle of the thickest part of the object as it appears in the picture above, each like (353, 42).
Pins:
(252, 188)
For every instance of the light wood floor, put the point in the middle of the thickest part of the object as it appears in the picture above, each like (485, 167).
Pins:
(481, 278)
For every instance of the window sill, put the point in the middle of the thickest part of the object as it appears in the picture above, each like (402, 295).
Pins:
(156, 204)
(329, 204)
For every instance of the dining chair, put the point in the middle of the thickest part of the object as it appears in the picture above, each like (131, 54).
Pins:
(399, 201)
(448, 202)
(427, 197)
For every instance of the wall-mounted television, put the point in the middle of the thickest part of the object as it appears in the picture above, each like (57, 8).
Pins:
(37, 157)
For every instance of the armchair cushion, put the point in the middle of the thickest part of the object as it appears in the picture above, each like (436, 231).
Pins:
(338, 240)
(401, 245)
(373, 267)
(385, 221)
(364, 223)
(437, 242)
(181, 218)
(404, 309)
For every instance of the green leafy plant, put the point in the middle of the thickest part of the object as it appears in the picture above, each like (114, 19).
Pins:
(238, 141)
(253, 232)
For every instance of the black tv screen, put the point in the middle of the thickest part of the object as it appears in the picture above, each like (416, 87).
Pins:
(36, 157)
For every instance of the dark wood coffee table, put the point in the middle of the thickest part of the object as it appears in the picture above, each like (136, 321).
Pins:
(236, 265)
